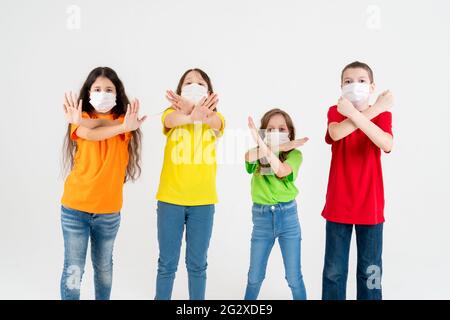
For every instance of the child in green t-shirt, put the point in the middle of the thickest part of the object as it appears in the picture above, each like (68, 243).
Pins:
(274, 164)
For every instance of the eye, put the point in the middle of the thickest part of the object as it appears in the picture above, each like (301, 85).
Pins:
(188, 83)
(362, 81)
(347, 81)
(97, 90)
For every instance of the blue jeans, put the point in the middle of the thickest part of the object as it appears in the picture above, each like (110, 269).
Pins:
(78, 227)
(269, 223)
(171, 221)
(369, 241)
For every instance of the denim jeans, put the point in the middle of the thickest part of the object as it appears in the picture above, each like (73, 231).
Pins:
(269, 223)
(369, 241)
(171, 221)
(78, 227)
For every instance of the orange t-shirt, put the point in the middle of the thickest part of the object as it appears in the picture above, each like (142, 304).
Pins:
(96, 181)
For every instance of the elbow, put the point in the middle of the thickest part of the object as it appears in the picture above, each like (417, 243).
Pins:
(387, 147)
(333, 135)
(283, 172)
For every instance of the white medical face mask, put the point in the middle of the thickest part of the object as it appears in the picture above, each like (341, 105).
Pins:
(102, 101)
(275, 138)
(194, 92)
(357, 93)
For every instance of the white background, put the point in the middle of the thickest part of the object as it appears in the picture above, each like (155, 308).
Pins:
(259, 54)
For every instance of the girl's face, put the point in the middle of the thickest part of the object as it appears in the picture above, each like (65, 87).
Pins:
(194, 77)
(277, 123)
(103, 84)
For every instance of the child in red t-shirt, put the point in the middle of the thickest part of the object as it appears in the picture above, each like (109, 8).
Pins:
(357, 133)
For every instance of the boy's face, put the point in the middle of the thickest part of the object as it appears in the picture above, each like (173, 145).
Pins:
(357, 75)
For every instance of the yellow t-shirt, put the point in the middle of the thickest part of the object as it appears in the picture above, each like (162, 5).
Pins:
(96, 181)
(188, 175)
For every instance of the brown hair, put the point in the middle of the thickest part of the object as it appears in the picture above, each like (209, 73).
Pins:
(134, 146)
(202, 74)
(358, 65)
(290, 124)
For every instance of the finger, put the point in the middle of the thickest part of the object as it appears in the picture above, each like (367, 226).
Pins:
(66, 101)
(250, 122)
(202, 101)
(138, 105)
(213, 106)
(69, 98)
(74, 100)
(80, 105)
(171, 99)
(212, 102)
(141, 120)
(127, 114)
(212, 97)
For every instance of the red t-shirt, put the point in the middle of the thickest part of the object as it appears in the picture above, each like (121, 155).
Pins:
(355, 193)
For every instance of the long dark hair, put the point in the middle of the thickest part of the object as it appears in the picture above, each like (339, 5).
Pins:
(289, 123)
(134, 147)
(204, 76)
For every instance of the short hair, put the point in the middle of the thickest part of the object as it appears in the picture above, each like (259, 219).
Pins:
(358, 65)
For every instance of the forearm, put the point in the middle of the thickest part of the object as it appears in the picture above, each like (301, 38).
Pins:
(176, 119)
(100, 133)
(214, 121)
(254, 154)
(279, 168)
(95, 123)
(381, 139)
(342, 129)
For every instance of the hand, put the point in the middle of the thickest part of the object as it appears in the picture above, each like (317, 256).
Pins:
(385, 101)
(205, 108)
(345, 107)
(72, 109)
(179, 103)
(255, 134)
(291, 145)
(132, 121)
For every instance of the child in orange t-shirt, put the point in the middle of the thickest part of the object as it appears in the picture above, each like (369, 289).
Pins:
(102, 148)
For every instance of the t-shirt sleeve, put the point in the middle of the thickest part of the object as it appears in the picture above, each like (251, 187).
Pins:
(251, 166)
(294, 160)
(163, 119)
(384, 121)
(74, 127)
(333, 116)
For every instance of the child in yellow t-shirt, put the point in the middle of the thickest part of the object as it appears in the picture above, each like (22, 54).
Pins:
(187, 188)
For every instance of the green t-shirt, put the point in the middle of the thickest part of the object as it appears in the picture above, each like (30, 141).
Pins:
(268, 188)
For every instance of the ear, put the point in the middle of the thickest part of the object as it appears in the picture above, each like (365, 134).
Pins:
(372, 87)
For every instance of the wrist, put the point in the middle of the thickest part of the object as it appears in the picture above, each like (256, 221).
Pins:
(354, 114)
(122, 128)
(375, 110)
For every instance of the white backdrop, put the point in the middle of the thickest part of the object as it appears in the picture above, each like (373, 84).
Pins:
(259, 54)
